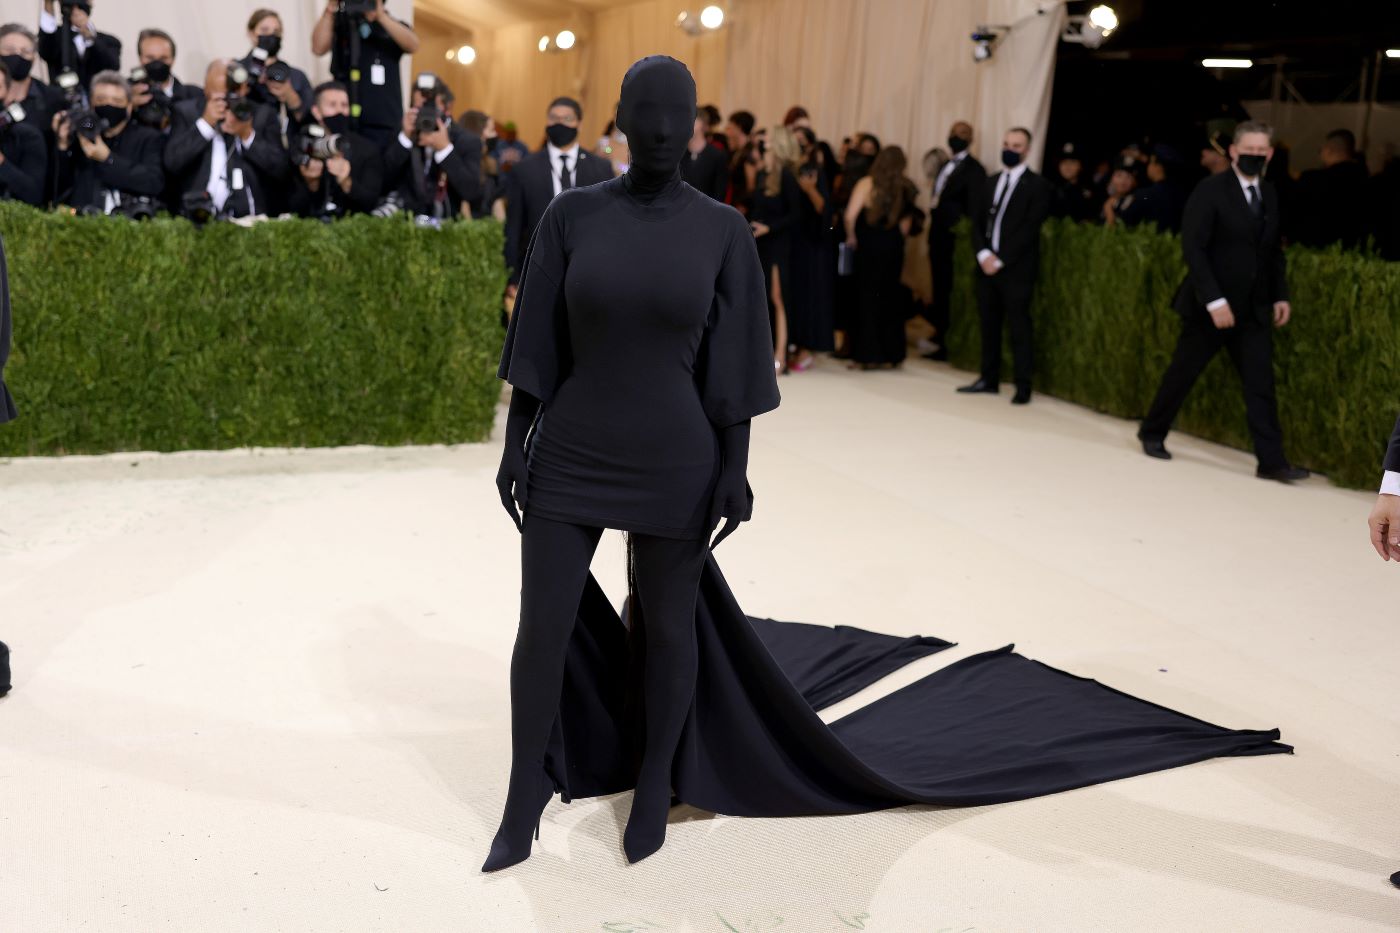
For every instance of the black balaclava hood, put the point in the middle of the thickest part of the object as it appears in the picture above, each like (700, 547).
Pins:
(657, 112)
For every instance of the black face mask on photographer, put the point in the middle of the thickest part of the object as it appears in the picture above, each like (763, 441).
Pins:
(157, 72)
(338, 123)
(270, 44)
(114, 115)
(18, 66)
(561, 135)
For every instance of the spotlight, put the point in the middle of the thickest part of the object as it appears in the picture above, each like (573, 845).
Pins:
(565, 40)
(544, 43)
(983, 42)
(712, 17)
(451, 54)
(1226, 63)
(693, 24)
(1090, 31)
(465, 55)
(1103, 19)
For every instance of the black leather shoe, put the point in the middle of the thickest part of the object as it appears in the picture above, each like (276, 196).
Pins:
(1395, 879)
(1283, 474)
(1155, 449)
(1022, 396)
(981, 385)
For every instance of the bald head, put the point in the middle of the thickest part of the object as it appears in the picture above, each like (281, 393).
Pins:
(216, 78)
(962, 130)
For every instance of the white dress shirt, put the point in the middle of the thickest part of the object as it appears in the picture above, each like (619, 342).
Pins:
(1390, 486)
(945, 173)
(437, 155)
(1006, 184)
(48, 23)
(220, 184)
(556, 164)
(1245, 185)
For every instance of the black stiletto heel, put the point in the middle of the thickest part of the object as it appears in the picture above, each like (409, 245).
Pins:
(505, 851)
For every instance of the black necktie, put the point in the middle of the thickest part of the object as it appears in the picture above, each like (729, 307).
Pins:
(566, 180)
(1255, 204)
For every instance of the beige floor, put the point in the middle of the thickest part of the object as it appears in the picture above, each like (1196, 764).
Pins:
(267, 690)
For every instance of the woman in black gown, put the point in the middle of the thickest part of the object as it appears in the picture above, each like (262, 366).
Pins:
(811, 327)
(775, 209)
(881, 213)
(639, 351)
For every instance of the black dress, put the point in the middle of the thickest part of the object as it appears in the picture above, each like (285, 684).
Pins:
(781, 212)
(882, 301)
(810, 314)
(641, 328)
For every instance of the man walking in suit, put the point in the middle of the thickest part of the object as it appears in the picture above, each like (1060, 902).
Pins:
(1007, 215)
(542, 174)
(1385, 521)
(1234, 295)
(953, 194)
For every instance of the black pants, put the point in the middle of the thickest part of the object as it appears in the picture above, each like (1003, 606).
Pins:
(1006, 298)
(1251, 348)
(555, 557)
(940, 264)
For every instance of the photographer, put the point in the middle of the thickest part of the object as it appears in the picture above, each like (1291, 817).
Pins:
(382, 41)
(154, 88)
(338, 171)
(107, 163)
(23, 154)
(226, 157)
(92, 51)
(435, 166)
(19, 52)
(277, 84)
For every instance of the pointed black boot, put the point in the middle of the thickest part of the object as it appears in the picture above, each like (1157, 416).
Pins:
(646, 824)
(522, 812)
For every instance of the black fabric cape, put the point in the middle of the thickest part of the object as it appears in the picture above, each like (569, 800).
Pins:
(8, 412)
(990, 728)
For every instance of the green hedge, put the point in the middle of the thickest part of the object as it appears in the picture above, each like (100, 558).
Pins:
(158, 336)
(1105, 331)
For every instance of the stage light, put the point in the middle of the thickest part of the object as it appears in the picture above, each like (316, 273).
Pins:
(983, 40)
(451, 54)
(1392, 53)
(565, 40)
(544, 43)
(712, 17)
(1226, 63)
(465, 55)
(1103, 19)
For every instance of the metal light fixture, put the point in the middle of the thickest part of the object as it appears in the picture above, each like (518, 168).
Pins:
(565, 40)
(544, 44)
(466, 55)
(1090, 31)
(707, 20)
(712, 17)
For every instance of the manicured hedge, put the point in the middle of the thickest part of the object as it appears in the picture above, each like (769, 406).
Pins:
(158, 336)
(1105, 331)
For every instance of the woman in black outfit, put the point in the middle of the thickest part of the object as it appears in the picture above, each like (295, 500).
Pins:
(881, 213)
(809, 315)
(775, 208)
(639, 352)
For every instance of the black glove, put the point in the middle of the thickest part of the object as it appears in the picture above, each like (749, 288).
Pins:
(732, 498)
(512, 475)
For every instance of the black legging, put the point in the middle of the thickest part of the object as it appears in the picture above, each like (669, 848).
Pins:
(555, 558)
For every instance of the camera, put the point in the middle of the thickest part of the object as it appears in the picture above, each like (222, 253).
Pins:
(314, 143)
(427, 121)
(136, 207)
(238, 75)
(356, 7)
(280, 72)
(255, 64)
(155, 112)
(198, 206)
(392, 204)
(87, 124)
(66, 7)
(72, 87)
(239, 106)
(11, 115)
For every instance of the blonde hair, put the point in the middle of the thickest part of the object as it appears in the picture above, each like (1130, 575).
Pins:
(784, 152)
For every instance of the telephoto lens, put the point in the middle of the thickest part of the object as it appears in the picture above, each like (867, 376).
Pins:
(327, 147)
(241, 107)
(427, 121)
(280, 72)
(87, 124)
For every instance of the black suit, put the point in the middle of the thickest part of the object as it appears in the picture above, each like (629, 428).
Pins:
(1006, 296)
(366, 183)
(530, 188)
(189, 157)
(418, 178)
(25, 168)
(954, 203)
(707, 171)
(1234, 254)
(1392, 456)
(104, 53)
(134, 168)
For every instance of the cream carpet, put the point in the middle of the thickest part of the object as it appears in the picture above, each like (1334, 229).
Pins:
(266, 690)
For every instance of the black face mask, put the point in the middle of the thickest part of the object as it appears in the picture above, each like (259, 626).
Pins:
(112, 114)
(1010, 158)
(340, 123)
(157, 72)
(18, 66)
(657, 112)
(956, 144)
(561, 135)
(1251, 166)
(270, 44)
